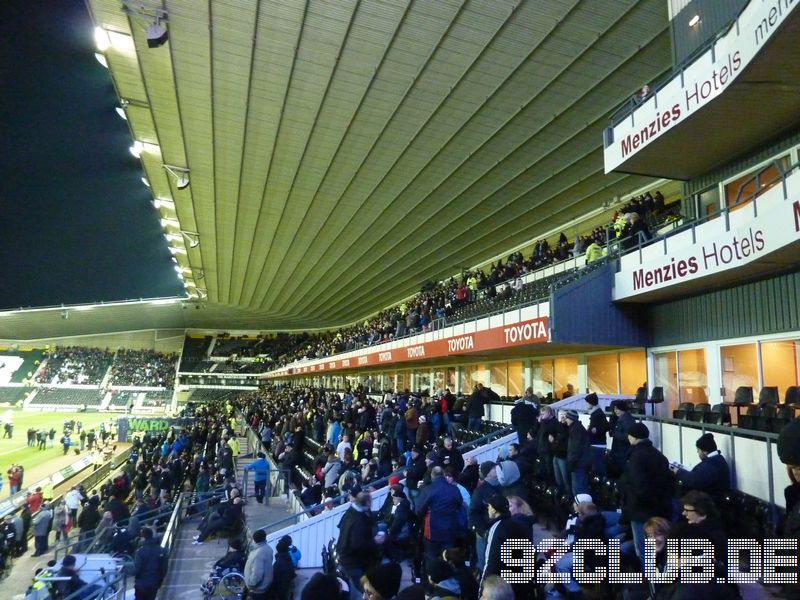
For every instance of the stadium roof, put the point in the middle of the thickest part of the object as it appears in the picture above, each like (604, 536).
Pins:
(341, 153)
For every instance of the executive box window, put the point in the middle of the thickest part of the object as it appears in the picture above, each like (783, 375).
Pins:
(602, 371)
(542, 377)
(632, 371)
(741, 190)
(779, 365)
(666, 374)
(471, 375)
(739, 368)
(403, 381)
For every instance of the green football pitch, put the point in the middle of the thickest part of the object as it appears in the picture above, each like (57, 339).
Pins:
(16, 450)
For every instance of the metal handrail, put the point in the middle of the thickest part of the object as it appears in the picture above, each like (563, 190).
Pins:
(173, 524)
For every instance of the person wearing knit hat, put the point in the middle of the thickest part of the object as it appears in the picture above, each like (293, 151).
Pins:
(394, 480)
(620, 446)
(646, 484)
(382, 582)
(503, 527)
(579, 454)
(638, 431)
(598, 428)
(712, 475)
(443, 579)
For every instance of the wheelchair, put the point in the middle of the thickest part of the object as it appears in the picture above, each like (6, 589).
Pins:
(225, 584)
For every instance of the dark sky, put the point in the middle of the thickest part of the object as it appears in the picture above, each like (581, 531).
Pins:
(77, 223)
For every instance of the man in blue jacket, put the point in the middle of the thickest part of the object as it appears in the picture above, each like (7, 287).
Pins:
(260, 468)
(441, 508)
(712, 475)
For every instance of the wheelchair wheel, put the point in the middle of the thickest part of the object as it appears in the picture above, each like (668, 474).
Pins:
(231, 586)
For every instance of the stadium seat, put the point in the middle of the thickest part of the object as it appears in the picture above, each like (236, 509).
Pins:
(782, 417)
(698, 415)
(749, 420)
(683, 411)
(743, 396)
(764, 420)
(792, 395)
(768, 396)
(718, 415)
(657, 397)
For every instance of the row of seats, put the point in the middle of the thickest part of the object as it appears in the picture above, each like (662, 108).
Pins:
(68, 396)
(12, 395)
(768, 396)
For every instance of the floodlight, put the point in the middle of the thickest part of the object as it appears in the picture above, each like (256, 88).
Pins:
(694, 20)
(121, 113)
(156, 34)
(101, 59)
(181, 175)
(136, 149)
(144, 181)
(101, 39)
(192, 238)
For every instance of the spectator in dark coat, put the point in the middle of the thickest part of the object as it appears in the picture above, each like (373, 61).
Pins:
(502, 527)
(548, 426)
(598, 428)
(451, 455)
(524, 415)
(478, 513)
(282, 571)
(356, 545)
(440, 506)
(646, 484)
(578, 454)
(712, 475)
(559, 446)
(620, 447)
(150, 566)
(475, 409)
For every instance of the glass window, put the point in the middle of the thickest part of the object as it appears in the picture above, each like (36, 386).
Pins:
(739, 368)
(422, 381)
(741, 190)
(666, 372)
(499, 379)
(515, 378)
(403, 381)
(708, 203)
(471, 375)
(438, 381)
(602, 373)
(632, 371)
(566, 376)
(693, 376)
(451, 378)
(542, 377)
(779, 365)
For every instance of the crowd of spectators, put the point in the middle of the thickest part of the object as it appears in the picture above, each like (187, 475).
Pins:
(144, 368)
(460, 512)
(75, 364)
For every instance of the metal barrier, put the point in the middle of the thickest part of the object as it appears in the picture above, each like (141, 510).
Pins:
(314, 532)
(168, 540)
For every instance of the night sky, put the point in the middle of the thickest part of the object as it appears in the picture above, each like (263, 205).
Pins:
(77, 223)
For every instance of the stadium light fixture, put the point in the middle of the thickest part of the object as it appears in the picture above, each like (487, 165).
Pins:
(101, 59)
(192, 238)
(155, 33)
(694, 21)
(137, 148)
(121, 112)
(170, 223)
(101, 39)
(144, 181)
(163, 203)
(172, 237)
(181, 175)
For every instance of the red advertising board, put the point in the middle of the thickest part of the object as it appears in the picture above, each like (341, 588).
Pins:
(534, 331)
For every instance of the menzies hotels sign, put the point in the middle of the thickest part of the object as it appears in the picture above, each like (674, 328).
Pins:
(715, 250)
(702, 81)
